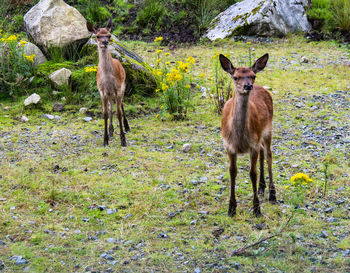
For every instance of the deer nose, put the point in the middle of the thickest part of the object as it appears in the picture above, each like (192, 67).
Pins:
(105, 42)
(248, 87)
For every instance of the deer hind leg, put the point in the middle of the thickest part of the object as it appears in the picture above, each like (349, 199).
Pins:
(105, 116)
(253, 162)
(120, 119)
(262, 184)
(126, 123)
(233, 173)
(272, 190)
(111, 128)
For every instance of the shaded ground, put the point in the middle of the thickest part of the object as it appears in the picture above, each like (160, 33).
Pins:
(68, 204)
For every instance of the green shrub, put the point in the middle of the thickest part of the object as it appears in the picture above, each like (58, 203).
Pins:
(152, 14)
(16, 68)
(96, 12)
(341, 14)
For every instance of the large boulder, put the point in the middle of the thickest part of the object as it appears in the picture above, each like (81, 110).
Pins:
(53, 23)
(139, 77)
(260, 17)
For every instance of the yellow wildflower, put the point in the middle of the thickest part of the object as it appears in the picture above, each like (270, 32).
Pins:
(159, 51)
(167, 63)
(158, 61)
(12, 38)
(188, 86)
(90, 69)
(183, 66)
(167, 54)
(29, 57)
(158, 39)
(191, 60)
(287, 187)
(159, 72)
(164, 86)
(157, 116)
(202, 75)
(157, 90)
(22, 42)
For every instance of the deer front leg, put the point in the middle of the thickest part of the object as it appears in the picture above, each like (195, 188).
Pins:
(120, 119)
(126, 123)
(253, 175)
(105, 116)
(272, 190)
(262, 184)
(233, 173)
(111, 128)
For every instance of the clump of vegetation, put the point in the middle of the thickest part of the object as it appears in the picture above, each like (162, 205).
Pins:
(16, 68)
(329, 15)
(174, 84)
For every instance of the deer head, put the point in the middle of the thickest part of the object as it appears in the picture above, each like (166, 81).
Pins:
(243, 77)
(103, 35)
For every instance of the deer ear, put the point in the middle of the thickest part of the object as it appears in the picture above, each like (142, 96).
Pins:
(109, 23)
(90, 27)
(226, 64)
(260, 63)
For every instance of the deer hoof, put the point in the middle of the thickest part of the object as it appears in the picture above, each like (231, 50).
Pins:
(261, 191)
(231, 212)
(272, 199)
(257, 212)
(124, 143)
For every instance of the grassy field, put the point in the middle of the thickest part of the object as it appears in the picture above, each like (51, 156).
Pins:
(67, 204)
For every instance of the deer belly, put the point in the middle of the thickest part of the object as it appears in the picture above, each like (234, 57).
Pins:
(107, 88)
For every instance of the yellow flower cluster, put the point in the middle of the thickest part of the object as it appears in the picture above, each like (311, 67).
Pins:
(158, 39)
(90, 69)
(22, 42)
(183, 66)
(9, 39)
(159, 51)
(191, 60)
(174, 76)
(301, 179)
(29, 57)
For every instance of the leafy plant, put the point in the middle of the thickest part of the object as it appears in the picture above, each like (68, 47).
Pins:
(96, 12)
(341, 14)
(15, 67)
(174, 84)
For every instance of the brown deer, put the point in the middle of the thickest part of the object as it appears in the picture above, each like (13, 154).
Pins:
(110, 83)
(247, 127)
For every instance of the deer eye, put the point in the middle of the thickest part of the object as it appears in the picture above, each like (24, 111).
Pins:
(109, 36)
(98, 36)
(253, 77)
(235, 78)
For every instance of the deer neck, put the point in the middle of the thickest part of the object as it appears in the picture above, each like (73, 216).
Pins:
(105, 61)
(240, 120)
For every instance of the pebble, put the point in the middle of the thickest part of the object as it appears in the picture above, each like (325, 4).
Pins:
(111, 240)
(87, 119)
(48, 116)
(24, 119)
(186, 147)
(162, 235)
(197, 270)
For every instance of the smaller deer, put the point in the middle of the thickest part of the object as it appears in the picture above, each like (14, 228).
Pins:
(110, 83)
(247, 127)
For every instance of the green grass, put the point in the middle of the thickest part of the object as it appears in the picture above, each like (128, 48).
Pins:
(56, 225)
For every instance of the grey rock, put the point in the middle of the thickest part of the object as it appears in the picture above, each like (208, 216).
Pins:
(30, 49)
(48, 116)
(197, 270)
(107, 257)
(54, 23)
(260, 17)
(186, 147)
(83, 110)
(162, 235)
(2, 265)
(111, 240)
(87, 119)
(324, 234)
(24, 119)
(61, 77)
(111, 211)
(32, 99)
(58, 107)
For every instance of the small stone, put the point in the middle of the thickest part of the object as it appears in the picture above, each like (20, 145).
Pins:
(186, 147)
(24, 119)
(6, 108)
(32, 99)
(107, 257)
(111, 211)
(83, 110)
(193, 222)
(87, 119)
(48, 116)
(111, 240)
(324, 234)
(328, 210)
(58, 107)
(197, 270)
(2, 265)
(162, 235)
(304, 60)
(127, 216)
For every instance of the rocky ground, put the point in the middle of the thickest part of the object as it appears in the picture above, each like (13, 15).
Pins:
(69, 204)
